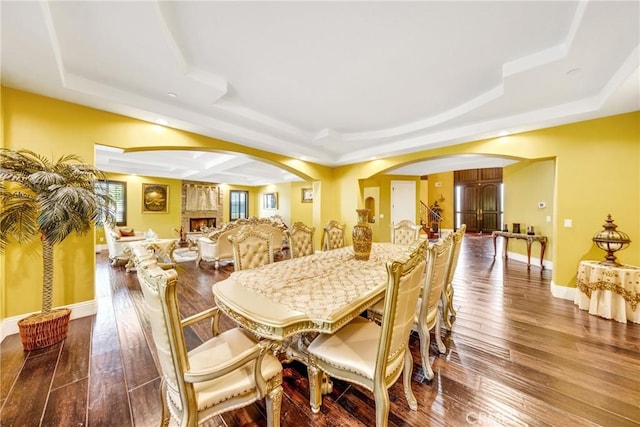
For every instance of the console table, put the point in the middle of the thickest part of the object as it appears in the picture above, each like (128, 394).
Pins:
(612, 292)
(530, 238)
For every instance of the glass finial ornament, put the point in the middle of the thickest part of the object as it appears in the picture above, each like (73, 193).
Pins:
(610, 240)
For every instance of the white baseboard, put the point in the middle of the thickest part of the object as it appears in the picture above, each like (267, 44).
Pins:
(100, 248)
(563, 292)
(558, 291)
(534, 261)
(9, 326)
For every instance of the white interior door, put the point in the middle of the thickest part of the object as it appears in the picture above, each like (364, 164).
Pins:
(403, 201)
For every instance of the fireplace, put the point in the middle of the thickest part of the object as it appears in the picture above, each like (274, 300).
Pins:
(195, 224)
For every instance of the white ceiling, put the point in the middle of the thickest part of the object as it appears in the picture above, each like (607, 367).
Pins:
(330, 82)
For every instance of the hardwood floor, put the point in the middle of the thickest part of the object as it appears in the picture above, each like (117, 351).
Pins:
(516, 356)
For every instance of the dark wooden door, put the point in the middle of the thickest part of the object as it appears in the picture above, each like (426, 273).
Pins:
(489, 204)
(469, 209)
(480, 199)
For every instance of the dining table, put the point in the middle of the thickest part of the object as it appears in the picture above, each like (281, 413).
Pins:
(314, 293)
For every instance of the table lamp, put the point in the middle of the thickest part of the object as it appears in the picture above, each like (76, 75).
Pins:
(610, 240)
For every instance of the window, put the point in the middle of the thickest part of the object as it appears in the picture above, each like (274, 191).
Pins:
(238, 204)
(118, 192)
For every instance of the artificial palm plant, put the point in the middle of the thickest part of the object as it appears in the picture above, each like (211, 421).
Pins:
(52, 199)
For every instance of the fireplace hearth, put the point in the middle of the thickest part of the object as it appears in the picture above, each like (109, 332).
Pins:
(196, 224)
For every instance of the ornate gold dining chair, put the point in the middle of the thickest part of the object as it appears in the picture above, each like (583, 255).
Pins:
(300, 239)
(333, 235)
(252, 248)
(448, 312)
(427, 311)
(405, 232)
(428, 316)
(371, 355)
(229, 371)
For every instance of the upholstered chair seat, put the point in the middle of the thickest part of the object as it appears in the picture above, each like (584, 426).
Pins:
(216, 353)
(228, 371)
(372, 355)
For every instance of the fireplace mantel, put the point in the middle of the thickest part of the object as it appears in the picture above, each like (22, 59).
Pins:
(212, 216)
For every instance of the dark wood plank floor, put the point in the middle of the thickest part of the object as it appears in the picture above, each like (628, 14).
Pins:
(516, 356)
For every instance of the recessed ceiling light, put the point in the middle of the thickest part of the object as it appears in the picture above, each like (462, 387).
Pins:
(573, 71)
(173, 95)
(162, 122)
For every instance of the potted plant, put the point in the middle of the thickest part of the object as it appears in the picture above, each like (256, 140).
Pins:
(52, 200)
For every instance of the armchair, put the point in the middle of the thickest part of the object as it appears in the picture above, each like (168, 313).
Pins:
(228, 371)
(216, 246)
(117, 239)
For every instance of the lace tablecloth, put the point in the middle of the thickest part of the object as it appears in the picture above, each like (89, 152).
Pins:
(319, 284)
(612, 292)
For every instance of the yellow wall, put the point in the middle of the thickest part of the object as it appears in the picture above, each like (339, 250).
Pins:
(424, 191)
(525, 185)
(37, 124)
(283, 192)
(382, 226)
(300, 212)
(163, 224)
(596, 173)
(446, 191)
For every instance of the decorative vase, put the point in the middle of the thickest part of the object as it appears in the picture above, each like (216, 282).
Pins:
(362, 235)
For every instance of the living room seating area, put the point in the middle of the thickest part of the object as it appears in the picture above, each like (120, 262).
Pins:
(216, 247)
(117, 237)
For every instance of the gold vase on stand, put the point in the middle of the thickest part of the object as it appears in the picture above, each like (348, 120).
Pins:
(362, 235)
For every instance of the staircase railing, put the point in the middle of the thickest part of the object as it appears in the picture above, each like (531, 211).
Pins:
(430, 220)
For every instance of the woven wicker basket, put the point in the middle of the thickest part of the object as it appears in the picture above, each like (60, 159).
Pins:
(42, 330)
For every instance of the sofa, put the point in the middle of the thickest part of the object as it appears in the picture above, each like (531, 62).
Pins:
(117, 238)
(216, 247)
